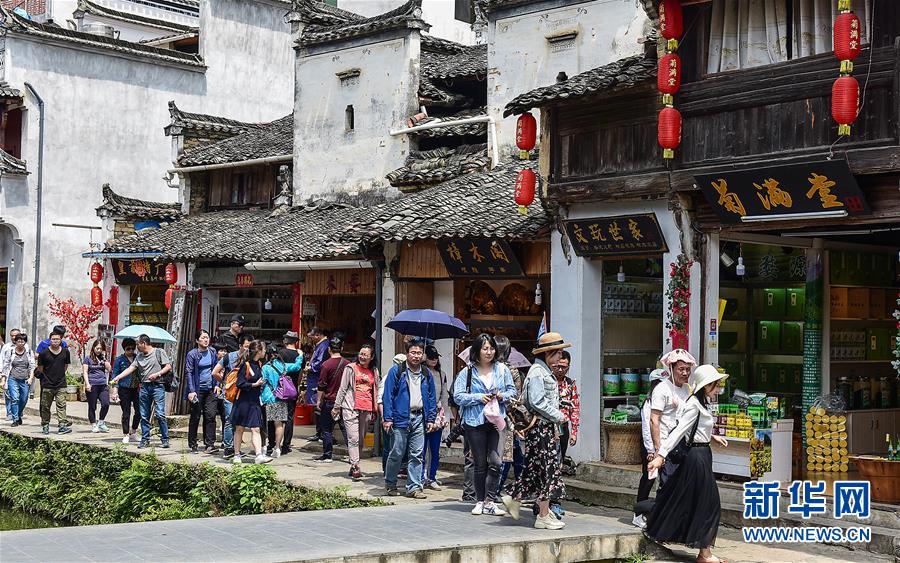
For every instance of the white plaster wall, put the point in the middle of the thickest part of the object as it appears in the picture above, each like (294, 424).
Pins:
(11, 259)
(128, 31)
(440, 14)
(520, 58)
(328, 159)
(443, 301)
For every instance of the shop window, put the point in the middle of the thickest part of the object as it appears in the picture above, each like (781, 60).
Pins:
(12, 132)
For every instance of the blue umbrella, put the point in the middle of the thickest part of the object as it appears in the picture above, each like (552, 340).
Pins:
(155, 333)
(428, 323)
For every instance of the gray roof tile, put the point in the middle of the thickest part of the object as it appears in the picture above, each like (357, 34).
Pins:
(116, 205)
(471, 61)
(424, 168)
(272, 139)
(408, 15)
(204, 125)
(96, 9)
(10, 164)
(7, 91)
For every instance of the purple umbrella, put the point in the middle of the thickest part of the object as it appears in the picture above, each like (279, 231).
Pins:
(428, 323)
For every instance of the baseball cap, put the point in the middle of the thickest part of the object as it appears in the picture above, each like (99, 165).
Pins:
(291, 335)
(238, 319)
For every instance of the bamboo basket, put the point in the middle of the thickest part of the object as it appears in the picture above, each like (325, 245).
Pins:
(623, 441)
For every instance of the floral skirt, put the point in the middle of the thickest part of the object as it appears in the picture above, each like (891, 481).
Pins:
(541, 477)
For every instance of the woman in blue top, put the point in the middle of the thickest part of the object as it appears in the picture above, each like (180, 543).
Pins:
(477, 385)
(127, 390)
(200, 392)
(247, 412)
(96, 370)
(277, 410)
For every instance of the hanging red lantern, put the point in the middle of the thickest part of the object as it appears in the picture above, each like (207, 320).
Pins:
(669, 131)
(171, 274)
(96, 272)
(169, 298)
(526, 134)
(668, 77)
(671, 22)
(844, 103)
(524, 193)
(96, 297)
(847, 39)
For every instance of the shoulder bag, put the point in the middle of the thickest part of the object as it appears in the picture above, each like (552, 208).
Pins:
(679, 453)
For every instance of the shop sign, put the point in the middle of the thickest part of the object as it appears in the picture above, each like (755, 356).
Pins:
(310, 309)
(811, 187)
(479, 258)
(616, 236)
(243, 280)
(137, 272)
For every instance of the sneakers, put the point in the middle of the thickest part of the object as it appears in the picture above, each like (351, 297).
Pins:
(228, 453)
(144, 444)
(416, 493)
(45, 428)
(262, 458)
(548, 522)
(434, 486)
(479, 509)
(512, 506)
(392, 491)
(315, 438)
(165, 445)
(17, 422)
(194, 449)
(286, 451)
(493, 510)
(102, 426)
(355, 473)
(94, 428)
(211, 449)
(640, 521)
(64, 429)
(322, 459)
(237, 460)
(276, 453)
(126, 438)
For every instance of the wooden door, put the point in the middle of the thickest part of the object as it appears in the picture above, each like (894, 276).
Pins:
(861, 432)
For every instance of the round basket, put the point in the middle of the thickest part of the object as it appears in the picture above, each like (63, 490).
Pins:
(623, 443)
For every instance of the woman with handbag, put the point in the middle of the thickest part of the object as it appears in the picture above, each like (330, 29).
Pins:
(199, 392)
(278, 392)
(541, 479)
(687, 510)
(481, 391)
(247, 412)
(355, 402)
(433, 438)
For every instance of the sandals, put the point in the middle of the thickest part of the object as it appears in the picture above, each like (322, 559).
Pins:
(712, 560)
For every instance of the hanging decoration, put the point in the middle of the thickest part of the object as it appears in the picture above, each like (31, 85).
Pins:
(847, 42)
(524, 194)
(96, 274)
(526, 134)
(679, 297)
(169, 293)
(668, 78)
(896, 361)
(96, 296)
(171, 279)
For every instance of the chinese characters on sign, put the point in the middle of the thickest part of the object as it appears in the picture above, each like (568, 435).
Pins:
(142, 271)
(482, 258)
(616, 236)
(802, 188)
(807, 499)
(243, 280)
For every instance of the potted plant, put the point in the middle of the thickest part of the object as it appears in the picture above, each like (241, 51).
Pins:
(74, 386)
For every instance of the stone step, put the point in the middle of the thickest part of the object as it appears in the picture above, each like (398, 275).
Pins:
(607, 474)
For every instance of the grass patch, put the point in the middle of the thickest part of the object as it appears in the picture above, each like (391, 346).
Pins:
(85, 484)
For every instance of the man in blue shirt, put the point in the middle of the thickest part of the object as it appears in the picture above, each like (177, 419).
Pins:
(45, 343)
(320, 353)
(409, 410)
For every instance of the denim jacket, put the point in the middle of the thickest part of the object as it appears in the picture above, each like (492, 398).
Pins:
(272, 372)
(542, 393)
(470, 405)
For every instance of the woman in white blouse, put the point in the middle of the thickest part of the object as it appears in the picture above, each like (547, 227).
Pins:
(687, 510)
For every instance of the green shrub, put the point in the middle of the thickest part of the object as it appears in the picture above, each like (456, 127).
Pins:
(85, 484)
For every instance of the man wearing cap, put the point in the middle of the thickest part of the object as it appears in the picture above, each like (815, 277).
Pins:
(665, 401)
(288, 355)
(231, 339)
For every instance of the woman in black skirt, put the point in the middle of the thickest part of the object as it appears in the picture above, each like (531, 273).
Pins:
(247, 412)
(687, 510)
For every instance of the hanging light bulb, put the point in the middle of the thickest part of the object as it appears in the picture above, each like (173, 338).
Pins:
(268, 304)
(620, 277)
(538, 294)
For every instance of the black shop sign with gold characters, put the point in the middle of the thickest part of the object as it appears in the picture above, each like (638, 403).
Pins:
(479, 258)
(623, 235)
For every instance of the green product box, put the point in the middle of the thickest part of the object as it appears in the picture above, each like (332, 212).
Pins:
(768, 336)
(792, 337)
(765, 377)
(770, 302)
(796, 378)
(737, 377)
(878, 343)
(782, 380)
(795, 302)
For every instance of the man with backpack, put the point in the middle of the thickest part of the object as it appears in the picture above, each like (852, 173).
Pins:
(152, 365)
(409, 410)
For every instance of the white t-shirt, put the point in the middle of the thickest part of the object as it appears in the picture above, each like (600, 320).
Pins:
(667, 398)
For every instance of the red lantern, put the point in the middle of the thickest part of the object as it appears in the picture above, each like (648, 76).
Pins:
(96, 272)
(524, 194)
(845, 102)
(668, 77)
(171, 274)
(169, 298)
(526, 134)
(847, 39)
(671, 22)
(669, 131)
(96, 297)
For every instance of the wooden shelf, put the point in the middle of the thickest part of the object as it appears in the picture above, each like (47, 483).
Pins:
(859, 361)
(506, 318)
(861, 319)
(865, 286)
(620, 397)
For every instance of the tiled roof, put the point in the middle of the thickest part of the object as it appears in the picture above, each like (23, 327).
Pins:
(7, 91)
(474, 205)
(623, 73)
(408, 15)
(204, 125)
(18, 24)
(471, 61)
(282, 234)
(272, 139)
(193, 32)
(89, 7)
(10, 164)
(120, 206)
(455, 130)
(430, 94)
(424, 168)
(320, 13)
(438, 45)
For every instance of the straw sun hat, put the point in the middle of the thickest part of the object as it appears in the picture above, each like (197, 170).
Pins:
(550, 341)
